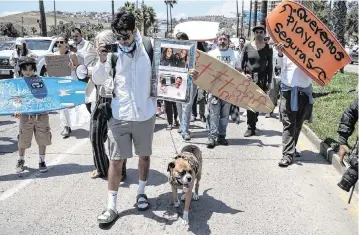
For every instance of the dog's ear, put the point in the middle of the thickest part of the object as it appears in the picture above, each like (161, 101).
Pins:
(171, 165)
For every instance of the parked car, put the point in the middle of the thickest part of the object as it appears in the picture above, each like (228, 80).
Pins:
(7, 45)
(354, 55)
(40, 46)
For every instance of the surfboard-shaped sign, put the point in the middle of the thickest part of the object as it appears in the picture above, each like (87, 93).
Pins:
(307, 41)
(228, 84)
(38, 95)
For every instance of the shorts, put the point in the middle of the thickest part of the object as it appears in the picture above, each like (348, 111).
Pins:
(121, 134)
(38, 125)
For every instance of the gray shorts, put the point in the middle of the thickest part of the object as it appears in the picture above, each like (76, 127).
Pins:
(122, 133)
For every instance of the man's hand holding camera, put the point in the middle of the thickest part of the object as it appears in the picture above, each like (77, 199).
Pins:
(343, 149)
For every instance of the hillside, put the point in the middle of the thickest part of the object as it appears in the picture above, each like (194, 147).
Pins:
(30, 20)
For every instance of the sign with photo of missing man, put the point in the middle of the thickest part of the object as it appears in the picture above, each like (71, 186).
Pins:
(172, 61)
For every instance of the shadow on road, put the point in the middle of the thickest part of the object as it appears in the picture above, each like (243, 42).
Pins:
(159, 127)
(162, 211)
(80, 133)
(309, 157)
(54, 171)
(255, 142)
(8, 148)
(3, 123)
(155, 178)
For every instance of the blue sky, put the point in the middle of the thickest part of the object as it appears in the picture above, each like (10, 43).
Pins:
(183, 8)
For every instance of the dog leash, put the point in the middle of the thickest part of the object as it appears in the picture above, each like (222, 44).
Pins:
(173, 142)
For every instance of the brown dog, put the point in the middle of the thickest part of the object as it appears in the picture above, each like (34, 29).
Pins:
(185, 169)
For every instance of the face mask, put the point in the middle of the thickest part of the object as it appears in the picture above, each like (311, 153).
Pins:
(126, 49)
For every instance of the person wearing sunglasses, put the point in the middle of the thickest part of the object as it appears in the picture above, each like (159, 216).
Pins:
(257, 64)
(19, 51)
(76, 116)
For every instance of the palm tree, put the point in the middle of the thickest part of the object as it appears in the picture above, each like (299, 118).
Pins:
(339, 19)
(250, 19)
(264, 9)
(255, 12)
(131, 7)
(42, 18)
(149, 18)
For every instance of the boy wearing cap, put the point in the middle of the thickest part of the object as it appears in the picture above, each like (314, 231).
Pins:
(37, 124)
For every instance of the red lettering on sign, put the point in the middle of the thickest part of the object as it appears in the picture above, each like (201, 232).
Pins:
(226, 84)
(206, 67)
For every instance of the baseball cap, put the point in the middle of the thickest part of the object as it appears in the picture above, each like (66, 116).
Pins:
(20, 41)
(26, 60)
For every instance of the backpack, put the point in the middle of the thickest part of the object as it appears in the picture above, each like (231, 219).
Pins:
(146, 41)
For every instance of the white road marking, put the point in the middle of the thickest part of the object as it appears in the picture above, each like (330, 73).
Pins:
(16, 188)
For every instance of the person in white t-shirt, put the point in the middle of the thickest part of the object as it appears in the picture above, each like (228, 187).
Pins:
(219, 109)
(296, 104)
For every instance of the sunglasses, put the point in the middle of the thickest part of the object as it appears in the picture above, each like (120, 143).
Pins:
(123, 37)
(60, 42)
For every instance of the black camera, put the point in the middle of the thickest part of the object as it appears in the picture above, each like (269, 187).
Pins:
(112, 48)
(350, 176)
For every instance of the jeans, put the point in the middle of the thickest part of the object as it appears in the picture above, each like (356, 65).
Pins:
(218, 117)
(184, 113)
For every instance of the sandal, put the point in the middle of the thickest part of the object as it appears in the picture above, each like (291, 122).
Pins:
(106, 218)
(95, 174)
(142, 202)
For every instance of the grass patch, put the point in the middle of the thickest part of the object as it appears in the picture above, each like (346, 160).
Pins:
(330, 102)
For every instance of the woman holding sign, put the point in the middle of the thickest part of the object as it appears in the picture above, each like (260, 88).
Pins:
(77, 116)
(257, 63)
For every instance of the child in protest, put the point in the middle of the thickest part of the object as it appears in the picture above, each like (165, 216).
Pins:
(37, 124)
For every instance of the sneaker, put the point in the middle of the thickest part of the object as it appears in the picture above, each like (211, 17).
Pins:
(176, 123)
(297, 153)
(20, 166)
(169, 127)
(222, 141)
(66, 132)
(42, 167)
(186, 137)
(211, 143)
(249, 133)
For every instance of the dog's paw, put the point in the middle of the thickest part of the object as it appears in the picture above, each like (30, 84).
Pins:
(195, 197)
(177, 203)
(183, 197)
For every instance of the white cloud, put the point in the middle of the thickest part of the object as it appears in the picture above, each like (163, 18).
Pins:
(228, 8)
(161, 15)
(7, 13)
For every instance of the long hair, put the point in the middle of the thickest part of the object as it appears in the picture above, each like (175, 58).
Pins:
(24, 50)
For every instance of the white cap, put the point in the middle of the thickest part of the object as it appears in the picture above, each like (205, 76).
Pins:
(20, 41)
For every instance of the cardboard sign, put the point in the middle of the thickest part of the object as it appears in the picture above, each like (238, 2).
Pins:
(228, 84)
(307, 41)
(58, 65)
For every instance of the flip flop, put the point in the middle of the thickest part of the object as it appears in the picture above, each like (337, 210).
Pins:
(108, 219)
(142, 202)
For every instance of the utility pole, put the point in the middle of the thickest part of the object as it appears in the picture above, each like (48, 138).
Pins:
(113, 9)
(55, 13)
(242, 29)
(22, 25)
(237, 19)
(250, 20)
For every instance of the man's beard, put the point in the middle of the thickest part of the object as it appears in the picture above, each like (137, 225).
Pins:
(223, 47)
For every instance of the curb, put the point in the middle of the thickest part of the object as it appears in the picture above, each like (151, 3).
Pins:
(326, 151)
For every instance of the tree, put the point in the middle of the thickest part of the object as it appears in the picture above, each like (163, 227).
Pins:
(42, 18)
(352, 19)
(149, 18)
(33, 30)
(8, 29)
(339, 20)
(264, 9)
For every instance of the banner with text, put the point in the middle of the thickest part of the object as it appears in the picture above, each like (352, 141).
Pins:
(307, 41)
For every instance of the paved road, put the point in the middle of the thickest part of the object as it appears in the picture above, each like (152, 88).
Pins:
(243, 191)
(354, 68)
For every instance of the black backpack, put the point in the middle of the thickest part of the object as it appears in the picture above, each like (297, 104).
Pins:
(146, 41)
